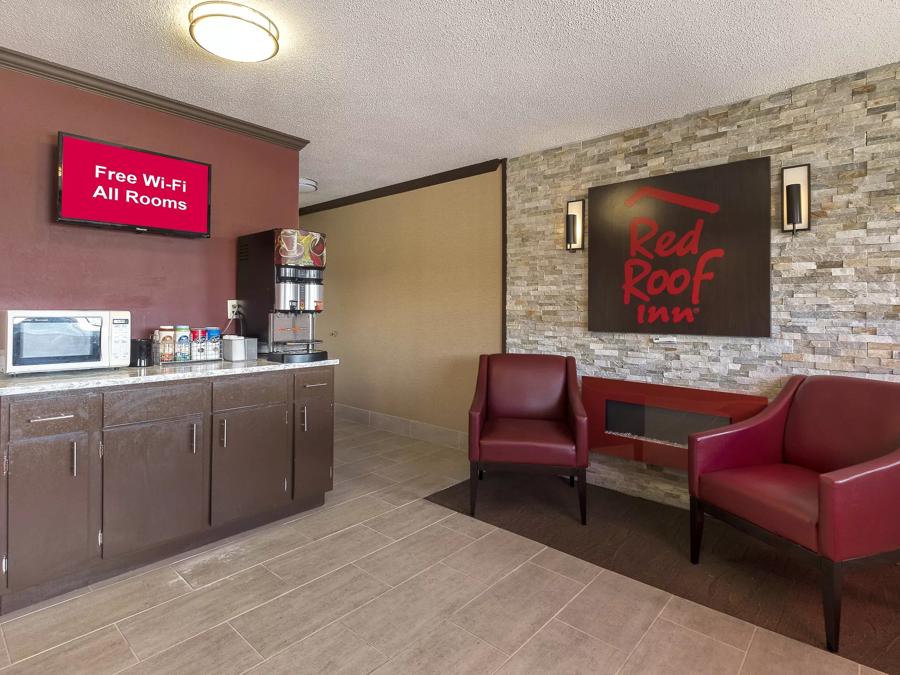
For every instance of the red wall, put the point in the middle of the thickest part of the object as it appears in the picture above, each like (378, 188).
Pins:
(48, 265)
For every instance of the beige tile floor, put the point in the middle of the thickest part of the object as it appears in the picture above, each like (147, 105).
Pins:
(379, 580)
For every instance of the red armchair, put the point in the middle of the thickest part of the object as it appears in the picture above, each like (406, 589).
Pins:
(819, 467)
(527, 415)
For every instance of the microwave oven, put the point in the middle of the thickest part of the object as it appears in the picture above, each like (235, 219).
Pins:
(42, 340)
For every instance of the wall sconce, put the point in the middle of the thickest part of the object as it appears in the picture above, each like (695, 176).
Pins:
(795, 198)
(575, 225)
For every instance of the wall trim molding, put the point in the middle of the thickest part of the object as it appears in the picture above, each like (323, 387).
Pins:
(406, 186)
(402, 426)
(503, 261)
(98, 85)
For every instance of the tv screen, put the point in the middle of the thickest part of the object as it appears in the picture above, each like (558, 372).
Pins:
(108, 185)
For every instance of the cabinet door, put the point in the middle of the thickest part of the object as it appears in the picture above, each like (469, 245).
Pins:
(54, 500)
(313, 445)
(154, 483)
(251, 462)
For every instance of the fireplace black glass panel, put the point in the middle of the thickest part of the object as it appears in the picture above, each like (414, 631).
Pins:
(663, 425)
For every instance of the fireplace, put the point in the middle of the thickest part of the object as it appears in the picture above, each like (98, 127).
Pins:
(651, 422)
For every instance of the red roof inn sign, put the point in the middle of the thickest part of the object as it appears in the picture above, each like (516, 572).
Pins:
(682, 253)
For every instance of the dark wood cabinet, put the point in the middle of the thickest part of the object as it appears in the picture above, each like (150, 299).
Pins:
(251, 462)
(54, 507)
(98, 481)
(155, 478)
(313, 442)
(313, 431)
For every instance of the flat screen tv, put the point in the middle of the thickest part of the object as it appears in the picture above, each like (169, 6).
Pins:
(109, 185)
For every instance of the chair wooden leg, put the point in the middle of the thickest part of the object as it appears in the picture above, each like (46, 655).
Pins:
(831, 602)
(582, 494)
(474, 473)
(696, 529)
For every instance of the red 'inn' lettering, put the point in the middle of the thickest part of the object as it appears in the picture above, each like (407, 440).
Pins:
(643, 282)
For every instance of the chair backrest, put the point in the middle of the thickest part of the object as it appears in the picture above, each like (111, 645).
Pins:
(527, 386)
(836, 422)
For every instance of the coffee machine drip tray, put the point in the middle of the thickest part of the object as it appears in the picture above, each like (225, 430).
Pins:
(298, 357)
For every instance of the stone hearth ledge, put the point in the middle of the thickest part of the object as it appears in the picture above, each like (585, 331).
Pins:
(11, 385)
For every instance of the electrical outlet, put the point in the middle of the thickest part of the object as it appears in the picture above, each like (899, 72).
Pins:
(234, 308)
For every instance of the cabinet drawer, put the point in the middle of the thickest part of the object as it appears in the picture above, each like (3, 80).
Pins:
(314, 382)
(249, 390)
(150, 403)
(54, 415)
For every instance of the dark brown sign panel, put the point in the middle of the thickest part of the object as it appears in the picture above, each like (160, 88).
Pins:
(685, 253)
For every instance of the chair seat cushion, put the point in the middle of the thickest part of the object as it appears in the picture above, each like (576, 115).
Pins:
(781, 498)
(521, 441)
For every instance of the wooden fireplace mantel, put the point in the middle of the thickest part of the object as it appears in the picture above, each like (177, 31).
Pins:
(597, 391)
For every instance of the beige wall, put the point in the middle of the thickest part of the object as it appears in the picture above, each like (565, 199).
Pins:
(413, 291)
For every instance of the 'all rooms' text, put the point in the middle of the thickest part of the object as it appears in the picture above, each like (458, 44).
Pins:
(112, 191)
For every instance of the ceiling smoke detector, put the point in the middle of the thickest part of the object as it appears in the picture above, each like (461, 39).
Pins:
(308, 185)
(233, 31)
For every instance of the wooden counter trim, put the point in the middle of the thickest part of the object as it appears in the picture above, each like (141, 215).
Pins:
(82, 382)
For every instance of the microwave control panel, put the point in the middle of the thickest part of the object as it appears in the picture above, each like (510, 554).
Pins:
(119, 338)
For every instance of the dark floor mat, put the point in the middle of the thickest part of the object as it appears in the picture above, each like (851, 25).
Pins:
(774, 587)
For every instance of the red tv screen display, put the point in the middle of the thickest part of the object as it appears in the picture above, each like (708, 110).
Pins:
(110, 185)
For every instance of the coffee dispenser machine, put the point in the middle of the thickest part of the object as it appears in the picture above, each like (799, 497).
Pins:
(280, 276)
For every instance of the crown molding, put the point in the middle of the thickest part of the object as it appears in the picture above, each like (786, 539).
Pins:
(99, 85)
(406, 186)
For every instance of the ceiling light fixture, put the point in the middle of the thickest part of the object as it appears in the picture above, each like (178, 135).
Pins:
(233, 31)
(308, 185)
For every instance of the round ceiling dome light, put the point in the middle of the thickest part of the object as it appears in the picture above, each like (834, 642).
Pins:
(308, 185)
(233, 31)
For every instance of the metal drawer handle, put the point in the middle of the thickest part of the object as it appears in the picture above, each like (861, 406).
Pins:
(74, 459)
(305, 416)
(194, 438)
(51, 419)
(225, 433)
(320, 384)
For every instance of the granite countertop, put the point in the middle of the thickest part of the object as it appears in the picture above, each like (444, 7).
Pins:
(88, 379)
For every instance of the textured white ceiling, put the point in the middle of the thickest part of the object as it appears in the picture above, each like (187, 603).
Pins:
(388, 91)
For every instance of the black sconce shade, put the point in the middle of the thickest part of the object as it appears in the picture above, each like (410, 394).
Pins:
(795, 198)
(794, 205)
(575, 225)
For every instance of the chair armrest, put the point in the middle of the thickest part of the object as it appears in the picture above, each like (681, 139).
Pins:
(755, 440)
(578, 422)
(478, 410)
(859, 512)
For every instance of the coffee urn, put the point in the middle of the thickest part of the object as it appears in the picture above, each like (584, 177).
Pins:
(280, 275)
